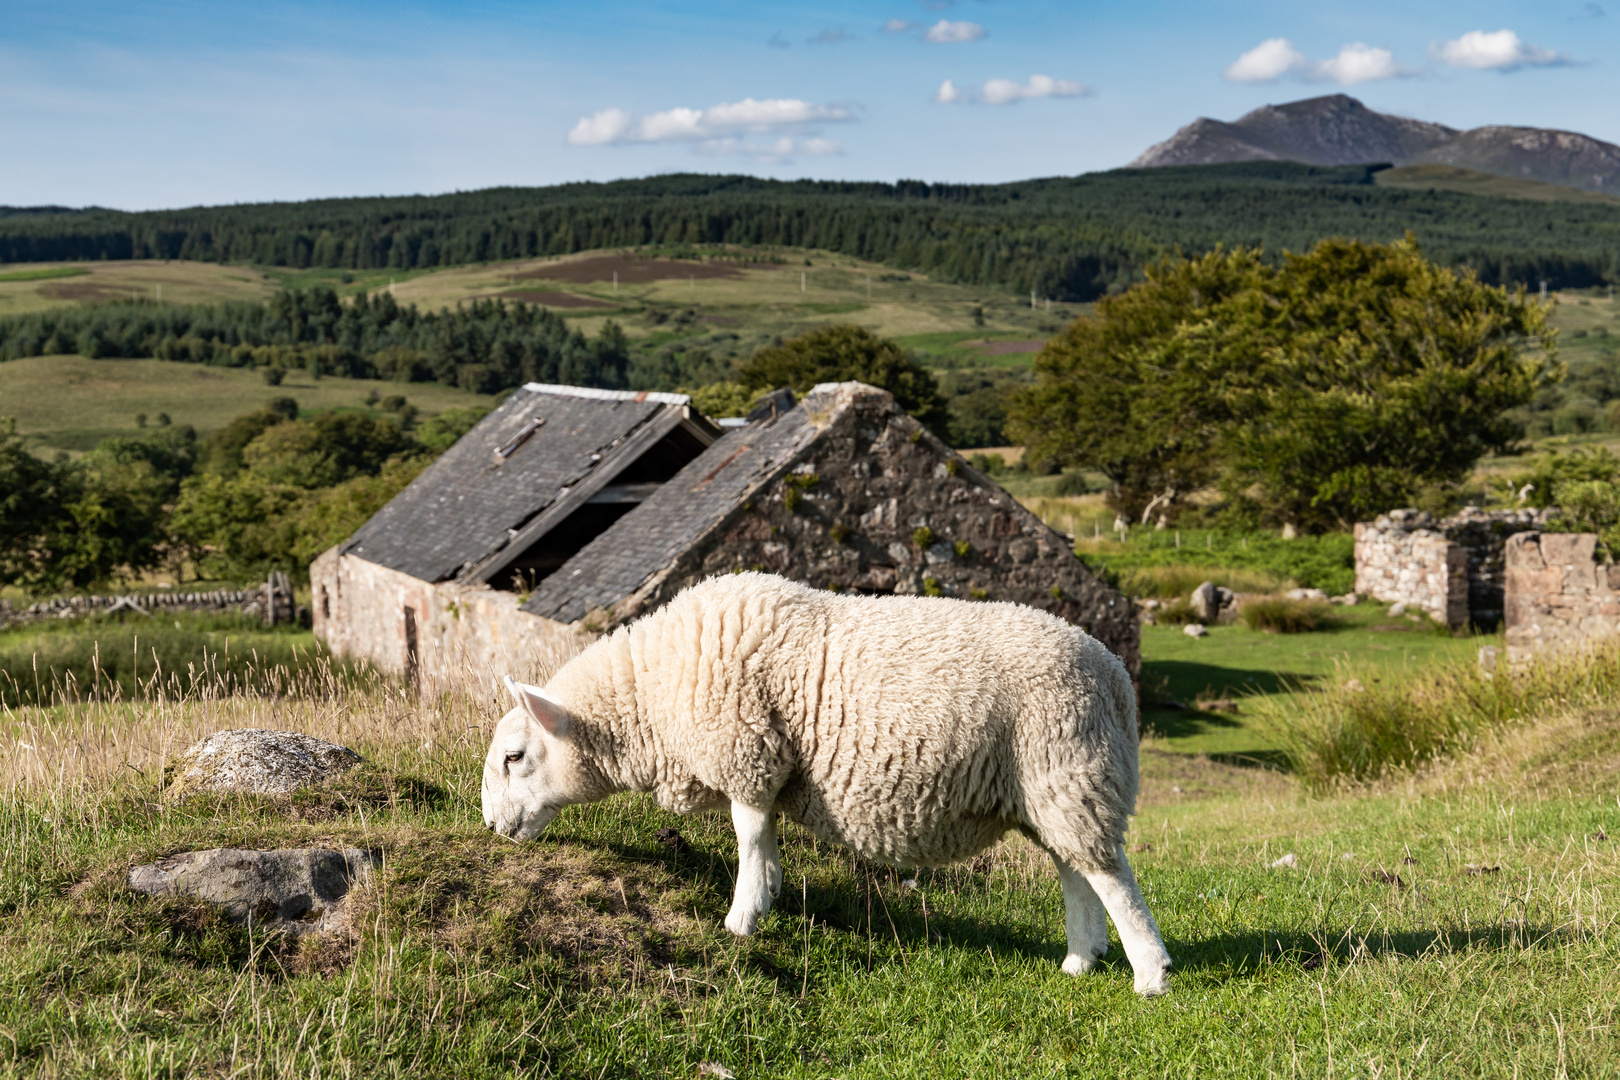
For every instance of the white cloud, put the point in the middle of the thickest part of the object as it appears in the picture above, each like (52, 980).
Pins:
(1007, 92)
(946, 32)
(1498, 51)
(721, 129)
(1358, 63)
(607, 126)
(1276, 57)
(1268, 60)
(775, 152)
(898, 26)
(836, 36)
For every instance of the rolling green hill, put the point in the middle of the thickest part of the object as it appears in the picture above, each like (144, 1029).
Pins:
(1071, 238)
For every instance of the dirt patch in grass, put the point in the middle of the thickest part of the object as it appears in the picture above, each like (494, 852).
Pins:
(637, 271)
(81, 292)
(553, 299)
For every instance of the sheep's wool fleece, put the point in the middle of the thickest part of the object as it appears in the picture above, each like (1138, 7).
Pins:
(914, 729)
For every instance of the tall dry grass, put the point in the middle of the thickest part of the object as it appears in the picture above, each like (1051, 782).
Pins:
(1359, 727)
(90, 740)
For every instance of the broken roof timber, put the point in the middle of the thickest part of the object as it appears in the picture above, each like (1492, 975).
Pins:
(471, 507)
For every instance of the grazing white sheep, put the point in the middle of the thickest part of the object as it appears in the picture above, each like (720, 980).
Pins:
(912, 729)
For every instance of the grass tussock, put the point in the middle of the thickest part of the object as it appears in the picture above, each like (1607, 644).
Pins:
(1282, 615)
(1352, 730)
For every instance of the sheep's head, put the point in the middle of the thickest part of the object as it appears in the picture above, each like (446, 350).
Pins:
(531, 770)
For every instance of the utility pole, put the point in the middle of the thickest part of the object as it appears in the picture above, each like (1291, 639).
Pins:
(804, 284)
(1032, 299)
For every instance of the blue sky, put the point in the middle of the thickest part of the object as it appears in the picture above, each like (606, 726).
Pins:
(144, 105)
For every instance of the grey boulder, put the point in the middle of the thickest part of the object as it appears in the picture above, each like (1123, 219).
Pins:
(253, 761)
(297, 890)
(1206, 602)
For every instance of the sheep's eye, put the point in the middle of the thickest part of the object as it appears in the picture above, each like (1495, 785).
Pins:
(514, 756)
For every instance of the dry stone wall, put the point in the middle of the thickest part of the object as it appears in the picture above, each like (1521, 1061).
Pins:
(1560, 597)
(249, 602)
(1453, 568)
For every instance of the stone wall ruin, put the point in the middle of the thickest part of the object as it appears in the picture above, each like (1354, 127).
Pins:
(1453, 569)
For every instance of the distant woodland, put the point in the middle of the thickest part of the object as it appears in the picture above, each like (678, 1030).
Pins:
(1070, 238)
(483, 346)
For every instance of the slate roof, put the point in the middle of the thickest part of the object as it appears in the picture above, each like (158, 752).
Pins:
(650, 538)
(469, 505)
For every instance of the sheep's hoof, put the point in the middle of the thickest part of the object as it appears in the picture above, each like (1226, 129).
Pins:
(742, 923)
(1077, 964)
(1155, 984)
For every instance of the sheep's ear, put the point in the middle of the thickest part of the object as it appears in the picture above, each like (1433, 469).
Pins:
(550, 715)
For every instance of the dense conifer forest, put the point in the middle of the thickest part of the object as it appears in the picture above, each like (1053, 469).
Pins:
(1071, 238)
(482, 346)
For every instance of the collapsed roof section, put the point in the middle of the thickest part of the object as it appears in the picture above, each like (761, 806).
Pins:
(533, 483)
(693, 504)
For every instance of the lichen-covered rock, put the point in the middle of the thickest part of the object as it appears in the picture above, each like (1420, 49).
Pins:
(297, 890)
(253, 761)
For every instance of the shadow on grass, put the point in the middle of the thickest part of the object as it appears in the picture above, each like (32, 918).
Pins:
(1235, 953)
(1186, 679)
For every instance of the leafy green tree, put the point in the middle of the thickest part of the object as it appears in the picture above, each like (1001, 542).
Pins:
(1383, 374)
(1317, 393)
(1143, 391)
(324, 451)
(842, 354)
(439, 433)
(722, 399)
(222, 450)
(30, 500)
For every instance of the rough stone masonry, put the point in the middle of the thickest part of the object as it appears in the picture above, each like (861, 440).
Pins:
(1452, 569)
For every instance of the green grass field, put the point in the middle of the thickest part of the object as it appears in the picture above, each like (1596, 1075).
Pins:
(1465, 922)
(1470, 182)
(26, 287)
(71, 403)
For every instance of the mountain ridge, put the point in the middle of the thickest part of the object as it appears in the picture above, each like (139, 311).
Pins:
(1337, 129)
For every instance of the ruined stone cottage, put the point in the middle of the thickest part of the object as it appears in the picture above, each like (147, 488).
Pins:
(569, 511)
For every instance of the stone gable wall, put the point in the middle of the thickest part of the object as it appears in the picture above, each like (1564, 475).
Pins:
(846, 515)
(1560, 598)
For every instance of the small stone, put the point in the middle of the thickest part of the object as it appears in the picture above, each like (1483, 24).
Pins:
(296, 890)
(1353, 686)
(1194, 630)
(1397, 609)
(1287, 862)
(253, 761)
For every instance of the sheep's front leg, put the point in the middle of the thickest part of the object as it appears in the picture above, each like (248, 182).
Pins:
(1084, 918)
(1118, 891)
(759, 867)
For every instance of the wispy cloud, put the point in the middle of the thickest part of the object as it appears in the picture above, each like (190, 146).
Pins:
(1501, 50)
(832, 36)
(1591, 11)
(899, 26)
(1355, 63)
(777, 41)
(1008, 92)
(721, 129)
(949, 32)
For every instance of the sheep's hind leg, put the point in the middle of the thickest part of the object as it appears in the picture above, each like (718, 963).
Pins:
(1137, 931)
(759, 867)
(1084, 918)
